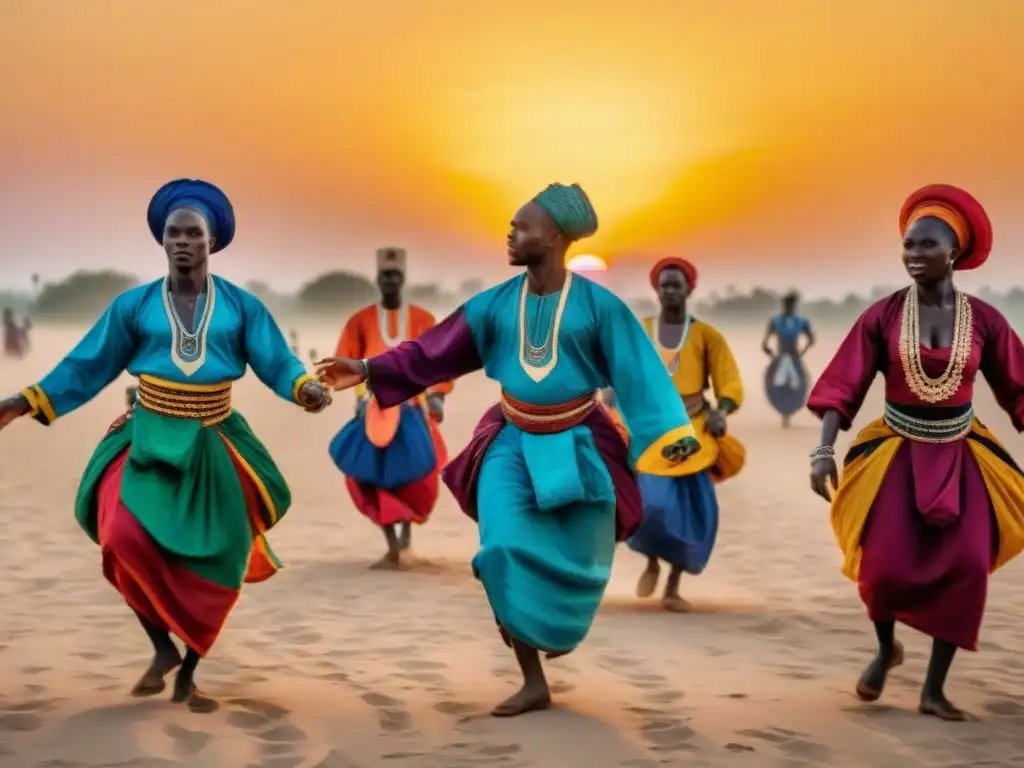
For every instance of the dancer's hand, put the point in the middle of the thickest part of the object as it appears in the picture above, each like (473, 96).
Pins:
(340, 372)
(435, 404)
(715, 423)
(823, 470)
(681, 449)
(313, 397)
(13, 408)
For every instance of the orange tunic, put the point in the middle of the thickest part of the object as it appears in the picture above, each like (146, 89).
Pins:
(371, 331)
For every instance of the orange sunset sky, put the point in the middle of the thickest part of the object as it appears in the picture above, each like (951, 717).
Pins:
(771, 141)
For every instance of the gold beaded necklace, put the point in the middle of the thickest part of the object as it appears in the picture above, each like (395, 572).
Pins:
(923, 386)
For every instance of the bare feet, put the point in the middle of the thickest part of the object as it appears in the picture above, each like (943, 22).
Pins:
(152, 681)
(872, 681)
(648, 581)
(405, 560)
(186, 692)
(675, 604)
(938, 705)
(529, 698)
(387, 563)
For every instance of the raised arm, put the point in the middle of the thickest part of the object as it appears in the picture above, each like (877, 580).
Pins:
(1002, 364)
(644, 393)
(268, 353)
(443, 388)
(99, 358)
(725, 374)
(440, 354)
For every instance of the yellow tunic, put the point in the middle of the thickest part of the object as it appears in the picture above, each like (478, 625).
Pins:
(705, 361)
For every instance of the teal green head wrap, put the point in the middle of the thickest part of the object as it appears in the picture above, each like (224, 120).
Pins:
(570, 209)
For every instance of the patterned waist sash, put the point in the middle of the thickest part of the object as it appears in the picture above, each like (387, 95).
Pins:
(209, 404)
(547, 419)
(928, 424)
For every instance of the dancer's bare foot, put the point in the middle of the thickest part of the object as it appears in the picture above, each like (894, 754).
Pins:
(872, 681)
(648, 580)
(186, 692)
(675, 604)
(387, 563)
(529, 698)
(405, 561)
(939, 706)
(152, 681)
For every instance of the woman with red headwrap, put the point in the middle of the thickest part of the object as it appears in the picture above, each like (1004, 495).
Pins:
(930, 503)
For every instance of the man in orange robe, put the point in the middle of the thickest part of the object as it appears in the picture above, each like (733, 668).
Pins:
(391, 459)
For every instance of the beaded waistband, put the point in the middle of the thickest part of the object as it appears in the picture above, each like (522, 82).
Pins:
(930, 424)
(209, 404)
(547, 419)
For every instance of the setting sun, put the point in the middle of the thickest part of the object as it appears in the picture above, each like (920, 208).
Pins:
(587, 262)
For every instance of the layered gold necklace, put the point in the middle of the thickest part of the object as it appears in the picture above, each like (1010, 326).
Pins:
(923, 386)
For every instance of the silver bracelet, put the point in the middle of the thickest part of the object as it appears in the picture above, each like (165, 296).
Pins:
(823, 452)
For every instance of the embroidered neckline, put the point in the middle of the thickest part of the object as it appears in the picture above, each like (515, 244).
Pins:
(530, 355)
(383, 326)
(188, 348)
(670, 355)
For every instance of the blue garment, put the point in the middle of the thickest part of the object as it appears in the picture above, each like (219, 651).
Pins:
(201, 196)
(790, 327)
(680, 520)
(409, 457)
(137, 333)
(546, 503)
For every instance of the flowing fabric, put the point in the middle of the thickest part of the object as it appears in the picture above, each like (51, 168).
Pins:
(680, 520)
(548, 505)
(680, 524)
(409, 457)
(921, 525)
(397, 482)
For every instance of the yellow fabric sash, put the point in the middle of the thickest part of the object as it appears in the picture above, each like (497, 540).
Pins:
(863, 475)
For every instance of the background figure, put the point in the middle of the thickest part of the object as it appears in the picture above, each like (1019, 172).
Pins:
(14, 338)
(681, 512)
(293, 337)
(391, 458)
(786, 379)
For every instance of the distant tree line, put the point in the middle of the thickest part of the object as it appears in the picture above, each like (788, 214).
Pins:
(84, 295)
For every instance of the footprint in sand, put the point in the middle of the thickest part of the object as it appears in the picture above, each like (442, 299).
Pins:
(391, 718)
(186, 743)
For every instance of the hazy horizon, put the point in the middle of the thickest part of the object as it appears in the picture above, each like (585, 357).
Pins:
(771, 144)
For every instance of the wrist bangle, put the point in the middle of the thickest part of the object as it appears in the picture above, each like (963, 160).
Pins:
(823, 452)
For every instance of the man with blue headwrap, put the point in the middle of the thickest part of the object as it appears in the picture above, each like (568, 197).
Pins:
(180, 492)
(546, 474)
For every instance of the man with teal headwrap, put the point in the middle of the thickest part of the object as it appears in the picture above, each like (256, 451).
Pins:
(546, 474)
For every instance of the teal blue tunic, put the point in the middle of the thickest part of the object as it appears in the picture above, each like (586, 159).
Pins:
(546, 503)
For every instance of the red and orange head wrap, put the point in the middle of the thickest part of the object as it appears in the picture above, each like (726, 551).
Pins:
(960, 212)
(689, 271)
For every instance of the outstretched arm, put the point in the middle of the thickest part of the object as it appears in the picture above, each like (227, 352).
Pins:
(646, 398)
(99, 358)
(440, 354)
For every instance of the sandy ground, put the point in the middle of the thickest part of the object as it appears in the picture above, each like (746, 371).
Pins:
(333, 665)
